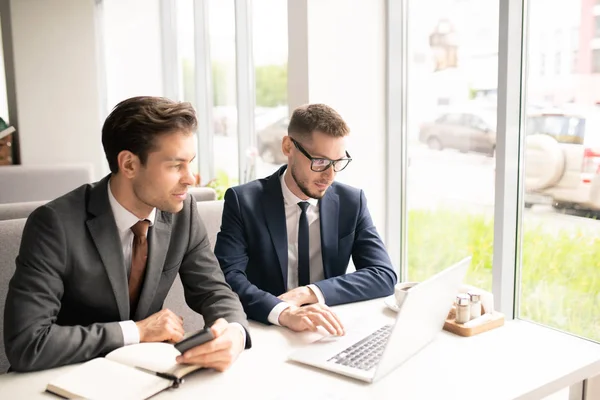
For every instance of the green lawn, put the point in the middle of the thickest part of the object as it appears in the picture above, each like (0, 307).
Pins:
(560, 284)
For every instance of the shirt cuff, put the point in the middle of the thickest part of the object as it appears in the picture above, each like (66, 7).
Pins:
(131, 333)
(318, 293)
(241, 328)
(276, 311)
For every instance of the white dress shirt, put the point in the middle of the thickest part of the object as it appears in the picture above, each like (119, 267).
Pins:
(292, 219)
(125, 220)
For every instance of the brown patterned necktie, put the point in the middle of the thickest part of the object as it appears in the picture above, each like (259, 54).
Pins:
(139, 256)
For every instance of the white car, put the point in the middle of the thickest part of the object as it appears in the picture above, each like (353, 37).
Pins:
(562, 159)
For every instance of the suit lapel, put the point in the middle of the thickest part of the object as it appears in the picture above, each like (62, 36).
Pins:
(158, 242)
(329, 218)
(104, 233)
(274, 210)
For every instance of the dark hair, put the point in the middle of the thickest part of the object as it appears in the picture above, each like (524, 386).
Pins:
(317, 117)
(134, 123)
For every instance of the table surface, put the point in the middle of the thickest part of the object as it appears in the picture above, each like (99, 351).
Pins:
(521, 360)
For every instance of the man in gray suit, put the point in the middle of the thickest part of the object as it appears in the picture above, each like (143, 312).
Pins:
(96, 264)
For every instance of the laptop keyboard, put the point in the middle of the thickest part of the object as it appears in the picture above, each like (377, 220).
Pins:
(366, 353)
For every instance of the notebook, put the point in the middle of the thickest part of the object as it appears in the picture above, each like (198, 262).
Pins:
(137, 371)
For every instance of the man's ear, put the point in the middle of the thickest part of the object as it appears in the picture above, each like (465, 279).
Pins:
(286, 145)
(128, 163)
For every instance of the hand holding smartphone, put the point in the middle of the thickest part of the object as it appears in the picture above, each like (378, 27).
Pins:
(198, 338)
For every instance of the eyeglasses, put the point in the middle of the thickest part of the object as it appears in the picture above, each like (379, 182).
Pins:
(321, 164)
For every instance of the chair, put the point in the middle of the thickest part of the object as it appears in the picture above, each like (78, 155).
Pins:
(18, 210)
(10, 237)
(210, 213)
(42, 182)
(203, 193)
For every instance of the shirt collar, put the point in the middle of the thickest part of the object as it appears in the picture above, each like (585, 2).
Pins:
(290, 198)
(125, 219)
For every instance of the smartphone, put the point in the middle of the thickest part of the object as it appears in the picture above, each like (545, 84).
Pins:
(203, 336)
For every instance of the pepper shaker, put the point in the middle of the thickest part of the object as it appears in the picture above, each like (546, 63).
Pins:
(475, 304)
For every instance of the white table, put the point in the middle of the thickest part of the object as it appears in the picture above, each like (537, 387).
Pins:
(520, 360)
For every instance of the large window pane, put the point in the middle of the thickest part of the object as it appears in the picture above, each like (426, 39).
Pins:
(270, 60)
(452, 75)
(222, 52)
(560, 276)
(185, 66)
(185, 51)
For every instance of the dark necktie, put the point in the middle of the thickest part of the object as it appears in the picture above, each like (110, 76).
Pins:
(303, 254)
(139, 256)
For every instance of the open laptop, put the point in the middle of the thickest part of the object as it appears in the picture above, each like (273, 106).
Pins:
(370, 352)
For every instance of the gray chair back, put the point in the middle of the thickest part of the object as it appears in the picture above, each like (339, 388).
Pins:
(210, 213)
(43, 182)
(10, 237)
(18, 210)
(203, 193)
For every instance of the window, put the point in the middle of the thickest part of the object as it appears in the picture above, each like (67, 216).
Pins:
(557, 63)
(597, 26)
(185, 51)
(560, 278)
(453, 119)
(223, 58)
(450, 193)
(562, 128)
(270, 60)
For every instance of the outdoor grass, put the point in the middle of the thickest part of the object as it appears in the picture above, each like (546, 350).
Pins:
(560, 275)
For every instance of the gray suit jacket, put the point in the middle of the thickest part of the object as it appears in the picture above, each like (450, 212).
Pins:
(70, 288)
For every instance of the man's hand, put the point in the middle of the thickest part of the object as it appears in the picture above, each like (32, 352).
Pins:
(220, 352)
(299, 296)
(160, 327)
(310, 317)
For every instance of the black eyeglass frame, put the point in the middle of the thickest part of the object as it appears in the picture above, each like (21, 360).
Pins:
(313, 159)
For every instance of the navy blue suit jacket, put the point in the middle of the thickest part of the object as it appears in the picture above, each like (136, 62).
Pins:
(252, 246)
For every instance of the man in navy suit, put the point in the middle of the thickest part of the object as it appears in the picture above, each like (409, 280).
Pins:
(286, 240)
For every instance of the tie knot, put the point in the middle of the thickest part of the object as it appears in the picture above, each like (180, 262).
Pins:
(303, 205)
(140, 229)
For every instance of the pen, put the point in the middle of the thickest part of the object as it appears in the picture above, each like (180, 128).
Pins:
(176, 381)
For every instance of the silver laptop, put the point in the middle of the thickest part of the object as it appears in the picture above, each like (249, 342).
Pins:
(370, 352)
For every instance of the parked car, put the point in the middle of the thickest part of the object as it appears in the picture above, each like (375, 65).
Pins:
(562, 159)
(461, 130)
(269, 142)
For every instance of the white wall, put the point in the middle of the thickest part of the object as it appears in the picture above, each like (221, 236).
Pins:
(346, 70)
(3, 99)
(132, 49)
(57, 85)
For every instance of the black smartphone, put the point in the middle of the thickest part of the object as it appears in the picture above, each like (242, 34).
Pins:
(203, 336)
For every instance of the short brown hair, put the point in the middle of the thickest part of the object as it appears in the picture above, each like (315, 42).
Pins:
(134, 123)
(317, 117)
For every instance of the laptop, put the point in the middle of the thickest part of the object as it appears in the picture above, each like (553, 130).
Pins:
(370, 352)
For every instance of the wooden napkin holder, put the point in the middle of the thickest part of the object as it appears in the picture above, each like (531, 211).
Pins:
(495, 320)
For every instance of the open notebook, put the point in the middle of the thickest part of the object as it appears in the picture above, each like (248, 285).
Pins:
(138, 371)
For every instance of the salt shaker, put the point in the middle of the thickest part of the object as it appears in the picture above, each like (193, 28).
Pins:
(475, 304)
(463, 308)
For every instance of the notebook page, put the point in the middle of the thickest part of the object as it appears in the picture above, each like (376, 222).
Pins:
(159, 357)
(104, 379)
